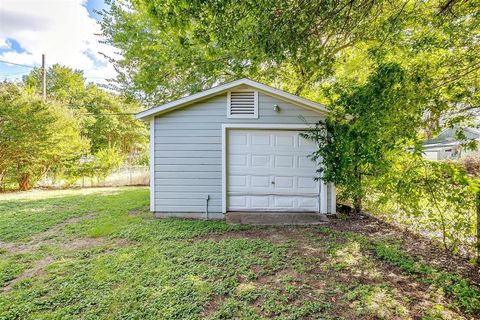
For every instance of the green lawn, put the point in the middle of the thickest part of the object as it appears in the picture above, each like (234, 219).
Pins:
(98, 253)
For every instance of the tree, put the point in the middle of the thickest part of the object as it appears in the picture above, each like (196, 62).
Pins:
(63, 84)
(105, 118)
(177, 47)
(36, 136)
(370, 125)
(109, 122)
(169, 49)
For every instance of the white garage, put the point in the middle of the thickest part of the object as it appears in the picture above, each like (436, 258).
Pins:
(270, 170)
(235, 148)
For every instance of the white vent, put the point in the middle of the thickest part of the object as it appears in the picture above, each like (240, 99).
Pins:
(243, 104)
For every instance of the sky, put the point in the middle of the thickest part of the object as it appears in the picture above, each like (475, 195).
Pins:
(66, 31)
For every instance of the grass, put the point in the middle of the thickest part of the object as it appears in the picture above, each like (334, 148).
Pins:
(98, 253)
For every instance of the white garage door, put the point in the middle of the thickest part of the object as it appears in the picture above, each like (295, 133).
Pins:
(269, 170)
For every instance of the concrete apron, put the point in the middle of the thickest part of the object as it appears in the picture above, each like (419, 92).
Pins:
(276, 218)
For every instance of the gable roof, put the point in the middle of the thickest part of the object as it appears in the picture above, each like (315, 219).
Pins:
(448, 137)
(185, 101)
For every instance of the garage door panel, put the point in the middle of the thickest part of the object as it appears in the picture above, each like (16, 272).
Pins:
(284, 202)
(260, 139)
(284, 141)
(253, 192)
(304, 202)
(238, 160)
(307, 183)
(283, 182)
(260, 181)
(237, 181)
(305, 162)
(303, 173)
(259, 202)
(269, 170)
(262, 161)
(285, 161)
(237, 138)
(304, 144)
(266, 151)
(238, 202)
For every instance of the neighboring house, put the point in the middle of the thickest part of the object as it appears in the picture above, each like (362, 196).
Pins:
(235, 147)
(447, 146)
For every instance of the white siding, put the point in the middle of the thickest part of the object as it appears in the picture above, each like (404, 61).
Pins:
(188, 151)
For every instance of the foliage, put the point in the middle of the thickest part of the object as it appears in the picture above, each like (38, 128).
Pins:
(191, 44)
(107, 160)
(176, 47)
(98, 165)
(371, 123)
(63, 84)
(36, 136)
(109, 123)
(105, 118)
(436, 198)
(54, 139)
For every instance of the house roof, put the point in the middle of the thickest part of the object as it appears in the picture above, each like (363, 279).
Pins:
(448, 137)
(185, 101)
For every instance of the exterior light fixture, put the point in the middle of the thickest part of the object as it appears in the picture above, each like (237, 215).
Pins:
(276, 108)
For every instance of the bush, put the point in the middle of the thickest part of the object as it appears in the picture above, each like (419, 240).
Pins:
(433, 198)
(35, 136)
(471, 164)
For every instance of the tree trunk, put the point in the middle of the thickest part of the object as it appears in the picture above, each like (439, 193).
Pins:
(357, 205)
(24, 182)
(3, 172)
(357, 199)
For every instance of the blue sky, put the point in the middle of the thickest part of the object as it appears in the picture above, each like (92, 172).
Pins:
(92, 5)
(65, 30)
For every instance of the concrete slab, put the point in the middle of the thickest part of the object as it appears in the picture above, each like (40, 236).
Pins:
(276, 218)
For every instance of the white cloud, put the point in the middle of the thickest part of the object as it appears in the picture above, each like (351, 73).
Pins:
(3, 43)
(62, 29)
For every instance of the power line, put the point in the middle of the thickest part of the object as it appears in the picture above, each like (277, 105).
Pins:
(110, 114)
(72, 107)
(13, 74)
(96, 77)
(16, 64)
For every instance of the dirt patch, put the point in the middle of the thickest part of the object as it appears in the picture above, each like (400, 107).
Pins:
(136, 212)
(81, 243)
(37, 270)
(415, 245)
(277, 234)
(213, 305)
(47, 237)
(53, 231)
(39, 266)
(320, 276)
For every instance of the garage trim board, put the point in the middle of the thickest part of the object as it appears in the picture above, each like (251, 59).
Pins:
(322, 200)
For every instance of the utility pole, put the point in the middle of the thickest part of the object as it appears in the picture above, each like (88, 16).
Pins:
(44, 79)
